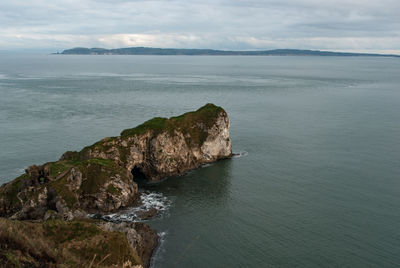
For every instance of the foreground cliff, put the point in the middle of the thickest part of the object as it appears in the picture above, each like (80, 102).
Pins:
(101, 178)
(57, 243)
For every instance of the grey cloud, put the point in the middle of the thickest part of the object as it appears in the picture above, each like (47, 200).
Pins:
(222, 24)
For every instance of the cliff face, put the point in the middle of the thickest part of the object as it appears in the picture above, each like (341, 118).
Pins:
(164, 147)
(68, 189)
(100, 178)
(57, 243)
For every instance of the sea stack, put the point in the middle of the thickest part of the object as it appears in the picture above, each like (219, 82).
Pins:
(56, 197)
(101, 178)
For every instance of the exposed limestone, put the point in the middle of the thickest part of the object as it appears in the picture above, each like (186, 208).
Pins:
(164, 147)
(71, 189)
(101, 179)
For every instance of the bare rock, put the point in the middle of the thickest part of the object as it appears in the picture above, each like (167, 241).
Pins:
(147, 214)
(101, 177)
(140, 236)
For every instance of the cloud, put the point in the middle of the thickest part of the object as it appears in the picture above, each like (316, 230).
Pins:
(357, 25)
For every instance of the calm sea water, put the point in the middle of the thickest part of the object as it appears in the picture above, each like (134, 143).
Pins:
(318, 180)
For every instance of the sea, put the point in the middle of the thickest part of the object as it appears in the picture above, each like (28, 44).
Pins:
(316, 179)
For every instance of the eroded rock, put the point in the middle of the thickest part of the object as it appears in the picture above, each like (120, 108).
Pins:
(140, 236)
(100, 178)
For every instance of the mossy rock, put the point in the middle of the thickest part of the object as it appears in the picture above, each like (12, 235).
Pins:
(189, 123)
(109, 159)
(96, 173)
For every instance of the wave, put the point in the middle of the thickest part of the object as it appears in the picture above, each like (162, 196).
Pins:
(160, 250)
(148, 200)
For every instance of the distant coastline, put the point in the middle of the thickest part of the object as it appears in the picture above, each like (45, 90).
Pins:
(211, 52)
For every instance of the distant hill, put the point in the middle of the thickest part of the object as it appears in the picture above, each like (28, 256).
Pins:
(211, 52)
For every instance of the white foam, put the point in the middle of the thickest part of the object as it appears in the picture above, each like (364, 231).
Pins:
(149, 200)
(160, 250)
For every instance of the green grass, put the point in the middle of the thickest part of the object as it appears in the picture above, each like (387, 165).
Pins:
(102, 162)
(157, 124)
(95, 173)
(64, 192)
(10, 190)
(111, 189)
(188, 123)
(56, 168)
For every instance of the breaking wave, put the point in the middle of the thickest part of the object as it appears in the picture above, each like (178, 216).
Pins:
(148, 200)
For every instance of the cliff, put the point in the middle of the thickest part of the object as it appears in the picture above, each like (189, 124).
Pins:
(101, 178)
(164, 147)
(57, 243)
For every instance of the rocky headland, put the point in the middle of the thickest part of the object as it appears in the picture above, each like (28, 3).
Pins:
(102, 178)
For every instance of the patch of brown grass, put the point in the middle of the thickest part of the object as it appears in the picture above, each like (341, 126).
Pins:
(63, 244)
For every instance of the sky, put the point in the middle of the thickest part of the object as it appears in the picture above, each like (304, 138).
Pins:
(339, 25)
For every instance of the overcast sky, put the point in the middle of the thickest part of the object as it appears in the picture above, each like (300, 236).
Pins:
(339, 25)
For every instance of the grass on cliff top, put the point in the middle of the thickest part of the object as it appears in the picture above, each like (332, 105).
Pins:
(62, 244)
(191, 123)
(95, 173)
(10, 190)
(188, 123)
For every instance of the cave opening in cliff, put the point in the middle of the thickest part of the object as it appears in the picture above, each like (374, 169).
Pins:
(138, 176)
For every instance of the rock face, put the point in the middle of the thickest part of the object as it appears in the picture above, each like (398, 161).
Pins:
(164, 147)
(67, 189)
(99, 179)
(57, 243)
(141, 238)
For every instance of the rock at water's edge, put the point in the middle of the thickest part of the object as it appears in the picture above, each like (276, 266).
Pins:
(100, 178)
(140, 236)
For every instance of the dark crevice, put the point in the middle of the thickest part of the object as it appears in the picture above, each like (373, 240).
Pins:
(138, 176)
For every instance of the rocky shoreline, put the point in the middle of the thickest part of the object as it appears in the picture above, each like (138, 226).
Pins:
(102, 178)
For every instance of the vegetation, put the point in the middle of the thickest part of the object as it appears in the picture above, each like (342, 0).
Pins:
(192, 123)
(58, 243)
(80, 179)
(157, 124)
(111, 189)
(212, 52)
(10, 190)
(96, 172)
